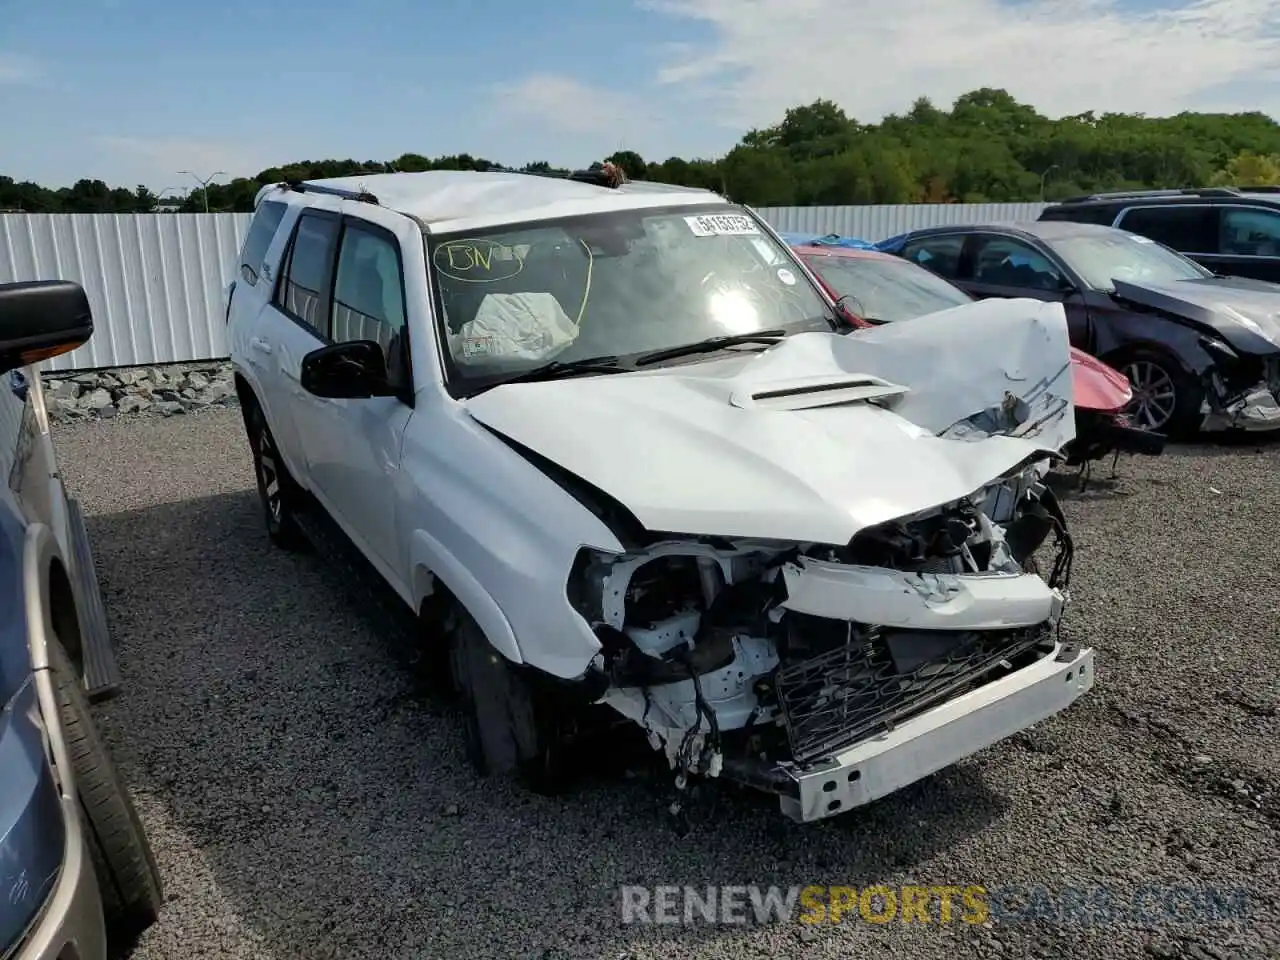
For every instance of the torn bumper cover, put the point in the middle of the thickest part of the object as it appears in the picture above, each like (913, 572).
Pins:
(1102, 434)
(936, 738)
(1257, 409)
(833, 677)
(955, 664)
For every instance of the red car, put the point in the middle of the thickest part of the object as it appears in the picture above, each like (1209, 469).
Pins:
(871, 288)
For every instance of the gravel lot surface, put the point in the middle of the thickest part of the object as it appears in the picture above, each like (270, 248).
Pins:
(305, 800)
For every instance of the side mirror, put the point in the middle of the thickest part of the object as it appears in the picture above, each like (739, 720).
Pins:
(41, 319)
(850, 308)
(356, 370)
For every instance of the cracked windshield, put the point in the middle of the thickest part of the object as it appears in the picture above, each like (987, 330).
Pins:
(613, 285)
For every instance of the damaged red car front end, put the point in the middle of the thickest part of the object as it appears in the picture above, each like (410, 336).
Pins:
(1102, 395)
(871, 288)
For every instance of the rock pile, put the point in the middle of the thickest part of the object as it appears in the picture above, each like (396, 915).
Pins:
(163, 391)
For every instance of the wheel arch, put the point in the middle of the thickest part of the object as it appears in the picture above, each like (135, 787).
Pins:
(64, 611)
(1131, 349)
(438, 579)
(40, 556)
(244, 394)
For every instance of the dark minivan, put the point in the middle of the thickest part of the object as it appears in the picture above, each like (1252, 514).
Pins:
(1233, 231)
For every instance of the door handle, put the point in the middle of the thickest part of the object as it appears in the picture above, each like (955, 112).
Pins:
(260, 345)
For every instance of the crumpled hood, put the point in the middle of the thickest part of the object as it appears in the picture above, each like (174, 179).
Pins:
(1244, 312)
(817, 437)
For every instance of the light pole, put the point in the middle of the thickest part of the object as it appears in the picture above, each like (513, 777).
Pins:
(1048, 170)
(204, 184)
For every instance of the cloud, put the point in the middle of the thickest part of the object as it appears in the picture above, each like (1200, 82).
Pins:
(574, 107)
(165, 157)
(874, 56)
(15, 68)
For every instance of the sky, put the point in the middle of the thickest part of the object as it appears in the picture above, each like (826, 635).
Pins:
(138, 91)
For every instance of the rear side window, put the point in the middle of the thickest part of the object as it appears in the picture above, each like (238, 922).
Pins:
(1184, 228)
(266, 219)
(304, 284)
(939, 254)
(1006, 262)
(1250, 233)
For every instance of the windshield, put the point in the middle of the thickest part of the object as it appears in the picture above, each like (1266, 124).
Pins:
(615, 284)
(886, 290)
(1101, 260)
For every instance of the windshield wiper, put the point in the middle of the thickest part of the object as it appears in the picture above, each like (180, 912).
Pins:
(710, 345)
(564, 368)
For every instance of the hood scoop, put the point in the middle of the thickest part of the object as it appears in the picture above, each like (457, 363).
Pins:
(811, 393)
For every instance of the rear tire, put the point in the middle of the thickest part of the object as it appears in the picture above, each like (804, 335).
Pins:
(129, 880)
(277, 490)
(1166, 399)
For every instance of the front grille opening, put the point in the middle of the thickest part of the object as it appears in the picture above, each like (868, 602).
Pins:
(882, 677)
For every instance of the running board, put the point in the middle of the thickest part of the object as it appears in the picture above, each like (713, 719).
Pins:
(101, 673)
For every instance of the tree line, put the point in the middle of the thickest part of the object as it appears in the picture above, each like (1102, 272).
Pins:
(988, 147)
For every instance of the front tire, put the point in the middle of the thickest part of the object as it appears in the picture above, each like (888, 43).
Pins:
(509, 726)
(129, 880)
(277, 490)
(1166, 399)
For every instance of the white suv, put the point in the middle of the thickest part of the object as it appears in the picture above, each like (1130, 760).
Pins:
(612, 446)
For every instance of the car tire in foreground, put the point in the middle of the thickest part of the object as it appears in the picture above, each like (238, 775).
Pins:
(1166, 399)
(276, 488)
(129, 880)
(508, 726)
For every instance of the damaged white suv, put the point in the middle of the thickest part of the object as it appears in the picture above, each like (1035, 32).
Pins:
(613, 444)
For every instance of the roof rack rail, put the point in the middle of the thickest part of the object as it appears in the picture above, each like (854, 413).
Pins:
(1139, 194)
(1269, 188)
(302, 186)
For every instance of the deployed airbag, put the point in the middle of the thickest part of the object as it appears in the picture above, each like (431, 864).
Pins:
(514, 326)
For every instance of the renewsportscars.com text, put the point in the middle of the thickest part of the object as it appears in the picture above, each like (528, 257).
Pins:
(969, 904)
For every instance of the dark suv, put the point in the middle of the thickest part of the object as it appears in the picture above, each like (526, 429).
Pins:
(1234, 231)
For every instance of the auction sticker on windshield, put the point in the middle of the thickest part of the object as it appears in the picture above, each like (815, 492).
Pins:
(721, 225)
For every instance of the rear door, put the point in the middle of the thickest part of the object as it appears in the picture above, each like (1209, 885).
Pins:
(295, 322)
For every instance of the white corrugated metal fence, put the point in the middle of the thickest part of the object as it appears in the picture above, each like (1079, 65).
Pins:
(155, 281)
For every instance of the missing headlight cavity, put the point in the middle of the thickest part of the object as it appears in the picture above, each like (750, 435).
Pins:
(762, 659)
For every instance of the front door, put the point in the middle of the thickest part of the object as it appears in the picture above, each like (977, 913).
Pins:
(353, 447)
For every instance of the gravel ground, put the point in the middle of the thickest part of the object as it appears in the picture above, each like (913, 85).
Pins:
(305, 800)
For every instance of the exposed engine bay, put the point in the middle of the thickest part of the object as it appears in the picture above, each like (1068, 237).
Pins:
(758, 660)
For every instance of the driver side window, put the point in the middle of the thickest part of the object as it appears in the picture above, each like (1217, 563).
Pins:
(1005, 262)
(368, 295)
